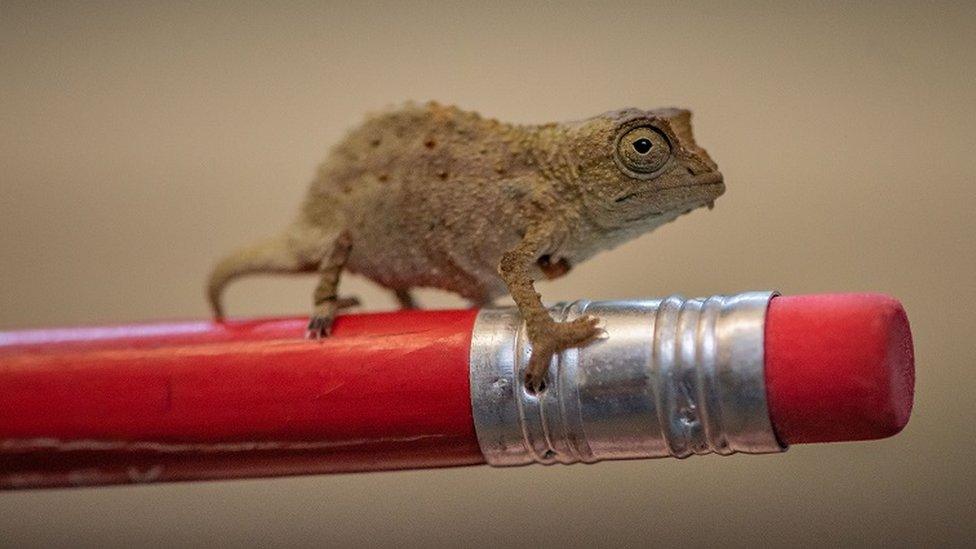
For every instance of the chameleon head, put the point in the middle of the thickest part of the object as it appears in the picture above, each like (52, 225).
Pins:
(644, 167)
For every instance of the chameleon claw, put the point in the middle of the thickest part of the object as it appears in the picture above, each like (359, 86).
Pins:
(319, 327)
(535, 384)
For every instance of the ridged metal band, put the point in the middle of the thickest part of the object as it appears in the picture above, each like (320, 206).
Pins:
(673, 377)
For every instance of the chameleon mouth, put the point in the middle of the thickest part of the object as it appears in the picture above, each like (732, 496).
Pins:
(706, 181)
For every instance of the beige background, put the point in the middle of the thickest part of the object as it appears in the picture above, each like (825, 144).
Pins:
(139, 142)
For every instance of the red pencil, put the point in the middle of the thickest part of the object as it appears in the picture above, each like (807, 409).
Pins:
(411, 389)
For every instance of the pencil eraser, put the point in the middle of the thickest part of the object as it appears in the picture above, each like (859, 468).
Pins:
(839, 367)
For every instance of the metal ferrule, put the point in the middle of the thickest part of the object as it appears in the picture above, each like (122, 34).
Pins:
(671, 377)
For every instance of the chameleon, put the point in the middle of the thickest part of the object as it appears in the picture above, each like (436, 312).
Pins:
(426, 195)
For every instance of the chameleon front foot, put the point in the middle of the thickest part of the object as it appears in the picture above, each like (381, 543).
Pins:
(553, 338)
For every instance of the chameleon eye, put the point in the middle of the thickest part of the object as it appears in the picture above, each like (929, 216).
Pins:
(643, 145)
(643, 150)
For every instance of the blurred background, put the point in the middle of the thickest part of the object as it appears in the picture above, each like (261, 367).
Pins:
(140, 141)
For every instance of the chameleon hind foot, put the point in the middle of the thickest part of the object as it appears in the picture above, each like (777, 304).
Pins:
(320, 324)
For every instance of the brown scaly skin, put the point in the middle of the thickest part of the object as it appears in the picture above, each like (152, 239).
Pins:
(433, 196)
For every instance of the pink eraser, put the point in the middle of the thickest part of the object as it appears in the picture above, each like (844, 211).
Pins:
(838, 367)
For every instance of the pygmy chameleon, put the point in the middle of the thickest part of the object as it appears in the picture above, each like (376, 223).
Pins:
(434, 196)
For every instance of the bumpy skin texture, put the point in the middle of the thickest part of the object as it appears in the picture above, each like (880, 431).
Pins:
(433, 196)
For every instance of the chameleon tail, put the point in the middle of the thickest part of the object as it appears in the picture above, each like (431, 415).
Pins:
(280, 254)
